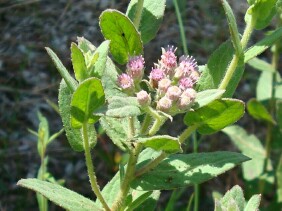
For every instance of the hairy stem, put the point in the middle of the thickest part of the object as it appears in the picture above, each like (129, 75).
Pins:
(186, 133)
(146, 124)
(196, 187)
(90, 169)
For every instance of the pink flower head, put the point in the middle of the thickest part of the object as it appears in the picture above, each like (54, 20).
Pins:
(188, 64)
(135, 67)
(143, 98)
(185, 83)
(125, 81)
(155, 76)
(168, 57)
(173, 93)
(164, 104)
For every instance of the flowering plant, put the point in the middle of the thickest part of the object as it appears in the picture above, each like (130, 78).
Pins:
(132, 106)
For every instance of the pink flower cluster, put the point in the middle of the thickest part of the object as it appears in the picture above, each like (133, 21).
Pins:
(171, 80)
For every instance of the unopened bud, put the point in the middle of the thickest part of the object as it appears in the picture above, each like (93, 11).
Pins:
(163, 85)
(191, 93)
(155, 76)
(179, 73)
(143, 98)
(173, 93)
(164, 104)
(135, 67)
(194, 75)
(187, 99)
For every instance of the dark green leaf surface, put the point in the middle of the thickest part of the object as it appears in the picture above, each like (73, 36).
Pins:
(182, 170)
(61, 196)
(262, 45)
(78, 63)
(162, 143)
(216, 115)
(87, 97)
(125, 40)
(207, 96)
(258, 111)
(152, 15)
(74, 135)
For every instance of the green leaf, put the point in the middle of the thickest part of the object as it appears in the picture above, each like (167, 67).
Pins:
(216, 115)
(216, 68)
(250, 146)
(74, 135)
(152, 15)
(262, 11)
(264, 86)
(43, 133)
(144, 200)
(85, 100)
(61, 196)
(279, 113)
(164, 143)
(258, 111)
(232, 27)
(180, 170)
(279, 180)
(262, 45)
(236, 195)
(253, 203)
(207, 96)
(261, 65)
(97, 70)
(123, 107)
(85, 45)
(78, 63)
(125, 39)
(72, 84)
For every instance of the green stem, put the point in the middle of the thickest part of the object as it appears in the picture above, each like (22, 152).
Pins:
(146, 124)
(138, 14)
(196, 187)
(90, 169)
(128, 176)
(156, 126)
(181, 27)
(234, 62)
(186, 133)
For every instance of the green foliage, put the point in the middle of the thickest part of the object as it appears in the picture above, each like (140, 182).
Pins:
(262, 11)
(125, 39)
(263, 44)
(182, 170)
(279, 180)
(88, 97)
(258, 111)
(152, 15)
(216, 70)
(207, 96)
(250, 146)
(261, 65)
(74, 135)
(216, 115)
(78, 63)
(61, 196)
(164, 143)
(232, 27)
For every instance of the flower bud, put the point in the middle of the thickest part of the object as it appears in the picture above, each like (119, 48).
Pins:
(168, 58)
(187, 99)
(191, 93)
(135, 67)
(143, 98)
(194, 75)
(125, 82)
(173, 93)
(185, 83)
(163, 85)
(179, 73)
(164, 104)
(155, 76)
(188, 64)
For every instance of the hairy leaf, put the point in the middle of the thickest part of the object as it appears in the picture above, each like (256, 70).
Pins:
(253, 203)
(205, 97)
(78, 63)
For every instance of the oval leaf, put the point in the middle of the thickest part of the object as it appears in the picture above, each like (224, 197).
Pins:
(207, 96)
(151, 18)
(61, 196)
(125, 40)
(182, 170)
(164, 143)
(74, 135)
(87, 97)
(216, 115)
(78, 63)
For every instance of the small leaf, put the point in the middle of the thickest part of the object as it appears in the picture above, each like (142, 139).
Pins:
(253, 203)
(87, 97)
(261, 65)
(98, 68)
(262, 11)
(152, 15)
(61, 196)
(236, 195)
(250, 146)
(264, 86)
(279, 113)
(262, 45)
(258, 111)
(207, 96)
(164, 143)
(182, 170)
(85, 45)
(74, 135)
(78, 63)
(123, 107)
(125, 40)
(232, 27)
(72, 84)
(147, 201)
(216, 115)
